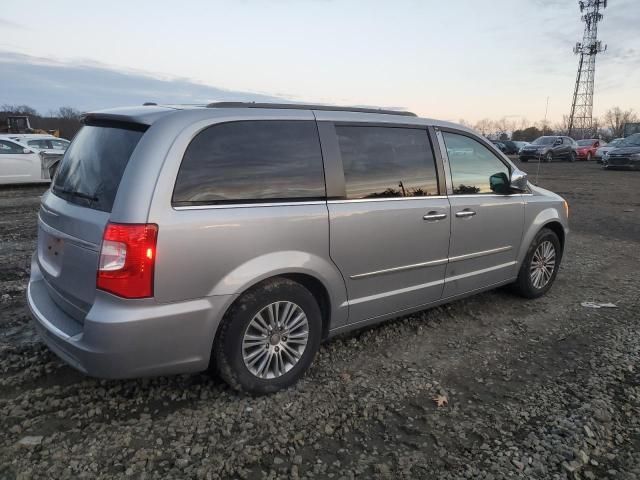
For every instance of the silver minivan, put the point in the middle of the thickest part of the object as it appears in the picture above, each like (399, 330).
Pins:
(238, 236)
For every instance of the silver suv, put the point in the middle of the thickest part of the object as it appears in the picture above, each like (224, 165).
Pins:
(239, 236)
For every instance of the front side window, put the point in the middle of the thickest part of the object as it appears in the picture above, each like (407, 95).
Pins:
(248, 161)
(382, 162)
(42, 144)
(59, 144)
(474, 169)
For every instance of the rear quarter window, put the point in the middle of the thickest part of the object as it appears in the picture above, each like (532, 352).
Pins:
(251, 161)
(93, 165)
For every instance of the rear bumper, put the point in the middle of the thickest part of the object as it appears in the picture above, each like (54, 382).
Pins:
(126, 339)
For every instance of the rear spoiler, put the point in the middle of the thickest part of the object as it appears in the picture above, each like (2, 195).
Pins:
(112, 121)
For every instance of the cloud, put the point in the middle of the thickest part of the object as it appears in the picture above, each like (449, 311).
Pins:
(47, 84)
(4, 23)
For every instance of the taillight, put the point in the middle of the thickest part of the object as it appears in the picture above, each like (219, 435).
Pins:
(127, 258)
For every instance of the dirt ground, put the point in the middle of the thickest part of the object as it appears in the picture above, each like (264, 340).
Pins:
(536, 389)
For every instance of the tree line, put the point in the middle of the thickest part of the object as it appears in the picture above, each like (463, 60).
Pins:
(608, 127)
(67, 121)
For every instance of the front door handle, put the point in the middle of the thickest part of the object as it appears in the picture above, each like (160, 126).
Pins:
(465, 213)
(434, 216)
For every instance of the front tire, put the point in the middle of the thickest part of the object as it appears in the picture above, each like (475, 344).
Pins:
(269, 337)
(572, 157)
(588, 156)
(540, 265)
(548, 157)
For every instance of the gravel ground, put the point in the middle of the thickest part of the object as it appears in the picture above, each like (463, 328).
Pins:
(535, 389)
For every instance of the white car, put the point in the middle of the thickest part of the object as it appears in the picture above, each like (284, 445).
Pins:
(612, 145)
(41, 141)
(22, 164)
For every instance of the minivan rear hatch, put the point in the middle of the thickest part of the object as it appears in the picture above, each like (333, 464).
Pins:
(75, 211)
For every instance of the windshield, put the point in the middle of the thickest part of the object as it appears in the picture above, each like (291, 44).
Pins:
(93, 165)
(544, 141)
(616, 141)
(632, 141)
(585, 143)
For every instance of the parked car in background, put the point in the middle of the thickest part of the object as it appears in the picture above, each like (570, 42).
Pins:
(42, 141)
(607, 148)
(501, 146)
(241, 235)
(520, 144)
(22, 164)
(586, 149)
(511, 148)
(549, 148)
(626, 156)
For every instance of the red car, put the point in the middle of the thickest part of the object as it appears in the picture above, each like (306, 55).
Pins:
(586, 149)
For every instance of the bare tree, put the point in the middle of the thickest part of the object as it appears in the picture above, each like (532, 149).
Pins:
(68, 113)
(615, 118)
(464, 123)
(484, 126)
(562, 127)
(503, 127)
(19, 109)
(545, 126)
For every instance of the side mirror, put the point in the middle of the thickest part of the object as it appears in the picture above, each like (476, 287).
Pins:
(499, 183)
(519, 180)
(558, 142)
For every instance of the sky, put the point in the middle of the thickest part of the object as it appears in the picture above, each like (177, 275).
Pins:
(452, 60)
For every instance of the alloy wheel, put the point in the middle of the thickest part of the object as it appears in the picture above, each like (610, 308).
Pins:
(275, 340)
(543, 264)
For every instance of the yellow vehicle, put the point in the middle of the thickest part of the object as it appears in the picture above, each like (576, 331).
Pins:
(20, 124)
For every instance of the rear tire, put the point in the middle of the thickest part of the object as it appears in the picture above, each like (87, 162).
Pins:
(572, 157)
(536, 275)
(255, 349)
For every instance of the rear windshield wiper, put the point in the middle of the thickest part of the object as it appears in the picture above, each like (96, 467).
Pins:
(73, 193)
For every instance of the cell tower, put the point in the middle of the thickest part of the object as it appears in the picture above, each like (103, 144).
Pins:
(580, 120)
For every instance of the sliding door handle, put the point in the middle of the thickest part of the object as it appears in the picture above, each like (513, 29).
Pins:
(434, 216)
(465, 213)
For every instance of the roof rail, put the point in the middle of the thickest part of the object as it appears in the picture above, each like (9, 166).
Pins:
(300, 106)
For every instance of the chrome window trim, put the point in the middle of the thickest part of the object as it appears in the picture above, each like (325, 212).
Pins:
(479, 195)
(250, 205)
(393, 199)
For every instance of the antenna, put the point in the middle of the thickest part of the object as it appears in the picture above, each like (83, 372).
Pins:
(581, 117)
(544, 123)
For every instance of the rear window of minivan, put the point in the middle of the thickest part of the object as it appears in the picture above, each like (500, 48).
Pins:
(93, 165)
(252, 161)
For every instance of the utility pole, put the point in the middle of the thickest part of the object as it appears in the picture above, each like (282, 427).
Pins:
(581, 117)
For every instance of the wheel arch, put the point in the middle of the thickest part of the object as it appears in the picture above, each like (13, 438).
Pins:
(316, 274)
(551, 218)
(557, 228)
